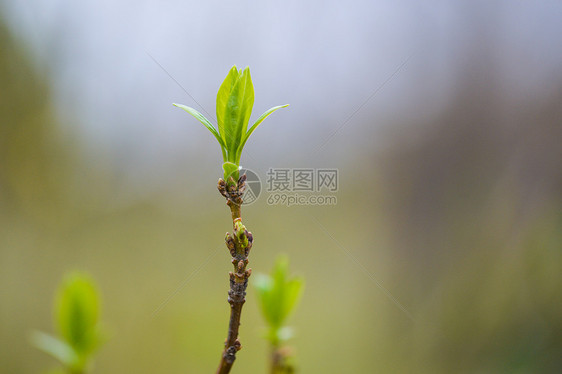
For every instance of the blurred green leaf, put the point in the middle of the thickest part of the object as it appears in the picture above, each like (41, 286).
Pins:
(278, 295)
(264, 286)
(76, 316)
(77, 312)
(56, 348)
(293, 291)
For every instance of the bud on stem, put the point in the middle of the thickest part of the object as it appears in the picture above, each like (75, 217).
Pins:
(238, 243)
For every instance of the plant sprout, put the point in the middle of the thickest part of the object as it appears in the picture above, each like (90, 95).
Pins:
(77, 320)
(278, 296)
(235, 100)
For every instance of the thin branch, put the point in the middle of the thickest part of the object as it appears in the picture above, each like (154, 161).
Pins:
(239, 243)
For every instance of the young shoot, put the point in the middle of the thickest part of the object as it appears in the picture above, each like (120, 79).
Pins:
(77, 309)
(235, 100)
(278, 297)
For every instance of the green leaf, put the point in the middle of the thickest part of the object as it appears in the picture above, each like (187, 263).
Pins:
(201, 118)
(235, 100)
(230, 169)
(254, 126)
(264, 286)
(77, 312)
(234, 103)
(56, 348)
(293, 293)
(223, 95)
(278, 294)
(247, 100)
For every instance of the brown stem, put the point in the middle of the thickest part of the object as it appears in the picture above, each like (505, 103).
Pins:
(239, 244)
(275, 361)
(235, 209)
(279, 361)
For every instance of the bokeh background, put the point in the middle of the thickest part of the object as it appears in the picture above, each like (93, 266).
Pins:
(442, 255)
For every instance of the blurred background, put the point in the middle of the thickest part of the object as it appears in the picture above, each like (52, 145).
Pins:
(442, 255)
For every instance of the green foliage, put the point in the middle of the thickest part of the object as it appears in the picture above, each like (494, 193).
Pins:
(235, 100)
(77, 321)
(278, 295)
(77, 311)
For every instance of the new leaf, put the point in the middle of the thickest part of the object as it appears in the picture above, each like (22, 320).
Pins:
(235, 100)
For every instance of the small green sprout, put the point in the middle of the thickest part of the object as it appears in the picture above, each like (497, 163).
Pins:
(278, 296)
(235, 100)
(77, 320)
